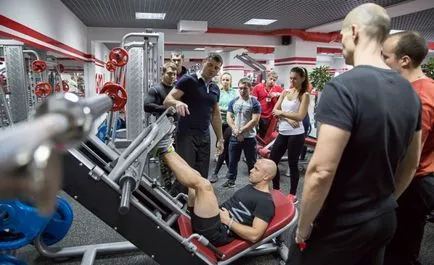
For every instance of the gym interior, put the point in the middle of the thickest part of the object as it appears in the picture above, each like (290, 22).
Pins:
(94, 62)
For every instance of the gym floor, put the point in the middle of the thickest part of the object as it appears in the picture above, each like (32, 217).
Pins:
(88, 229)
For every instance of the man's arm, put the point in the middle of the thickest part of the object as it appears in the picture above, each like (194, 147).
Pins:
(427, 119)
(407, 167)
(230, 120)
(250, 233)
(151, 102)
(320, 174)
(302, 110)
(173, 100)
(216, 122)
(252, 123)
(253, 233)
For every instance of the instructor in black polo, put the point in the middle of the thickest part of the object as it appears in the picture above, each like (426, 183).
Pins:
(196, 98)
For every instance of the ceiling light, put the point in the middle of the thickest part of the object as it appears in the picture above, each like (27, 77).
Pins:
(392, 31)
(258, 21)
(199, 49)
(218, 51)
(159, 16)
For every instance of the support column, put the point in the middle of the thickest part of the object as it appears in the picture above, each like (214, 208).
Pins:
(234, 66)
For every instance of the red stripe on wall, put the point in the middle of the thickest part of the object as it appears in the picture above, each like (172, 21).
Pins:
(328, 50)
(293, 63)
(431, 45)
(309, 59)
(233, 66)
(40, 46)
(9, 23)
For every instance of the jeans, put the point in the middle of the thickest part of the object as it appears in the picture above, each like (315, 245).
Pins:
(235, 149)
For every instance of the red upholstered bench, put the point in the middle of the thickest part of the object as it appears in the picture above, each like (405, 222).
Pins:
(284, 218)
(310, 141)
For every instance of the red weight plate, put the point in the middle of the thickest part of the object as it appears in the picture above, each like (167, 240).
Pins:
(42, 89)
(118, 56)
(117, 93)
(38, 66)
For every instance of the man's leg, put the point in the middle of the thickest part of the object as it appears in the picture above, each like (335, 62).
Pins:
(263, 127)
(203, 152)
(362, 244)
(249, 147)
(205, 202)
(185, 149)
(414, 205)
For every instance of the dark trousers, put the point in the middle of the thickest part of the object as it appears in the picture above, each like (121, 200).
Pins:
(224, 157)
(294, 145)
(263, 126)
(361, 244)
(235, 149)
(415, 204)
(307, 128)
(195, 150)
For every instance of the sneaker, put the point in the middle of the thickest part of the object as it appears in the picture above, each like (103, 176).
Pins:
(229, 184)
(430, 217)
(214, 177)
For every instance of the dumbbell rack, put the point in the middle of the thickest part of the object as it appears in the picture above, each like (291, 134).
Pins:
(5, 112)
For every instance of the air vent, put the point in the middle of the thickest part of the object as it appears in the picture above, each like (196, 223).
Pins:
(192, 27)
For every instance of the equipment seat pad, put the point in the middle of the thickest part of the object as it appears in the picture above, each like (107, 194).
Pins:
(284, 214)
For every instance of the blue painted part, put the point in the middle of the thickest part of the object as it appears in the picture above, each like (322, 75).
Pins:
(59, 225)
(20, 224)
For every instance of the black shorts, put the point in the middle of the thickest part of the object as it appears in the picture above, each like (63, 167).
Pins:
(211, 228)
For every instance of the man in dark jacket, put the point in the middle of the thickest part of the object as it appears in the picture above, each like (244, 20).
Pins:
(154, 99)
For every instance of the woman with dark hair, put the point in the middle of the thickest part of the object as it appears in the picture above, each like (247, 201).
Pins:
(306, 124)
(291, 109)
(227, 93)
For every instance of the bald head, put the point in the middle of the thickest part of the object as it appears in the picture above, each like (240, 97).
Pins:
(372, 19)
(268, 166)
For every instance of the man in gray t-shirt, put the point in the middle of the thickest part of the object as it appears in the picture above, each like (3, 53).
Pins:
(242, 116)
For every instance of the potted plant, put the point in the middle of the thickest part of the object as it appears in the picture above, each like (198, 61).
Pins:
(318, 77)
(428, 68)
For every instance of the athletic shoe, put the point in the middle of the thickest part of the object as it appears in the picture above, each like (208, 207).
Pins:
(430, 217)
(229, 184)
(213, 179)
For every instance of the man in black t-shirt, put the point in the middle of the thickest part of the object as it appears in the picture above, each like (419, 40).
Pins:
(246, 214)
(367, 151)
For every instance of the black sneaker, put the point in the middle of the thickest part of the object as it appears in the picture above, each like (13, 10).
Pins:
(214, 177)
(229, 184)
(430, 217)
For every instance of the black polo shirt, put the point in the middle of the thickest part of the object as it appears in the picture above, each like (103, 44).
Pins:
(382, 111)
(200, 98)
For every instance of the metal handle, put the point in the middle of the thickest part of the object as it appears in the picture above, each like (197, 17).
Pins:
(127, 185)
(19, 141)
